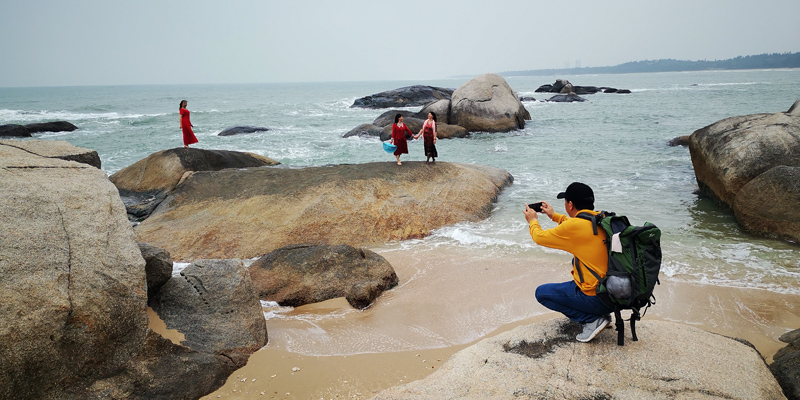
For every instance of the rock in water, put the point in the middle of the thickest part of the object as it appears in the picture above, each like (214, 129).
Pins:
(409, 96)
(739, 153)
(56, 126)
(487, 104)
(235, 130)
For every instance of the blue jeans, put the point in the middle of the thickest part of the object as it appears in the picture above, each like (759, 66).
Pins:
(568, 299)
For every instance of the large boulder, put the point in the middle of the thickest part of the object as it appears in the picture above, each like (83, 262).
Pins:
(214, 304)
(244, 213)
(73, 293)
(730, 154)
(59, 149)
(146, 183)
(302, 274)
(786, 365)
(544, 361)
(409, 96)
(486, 103)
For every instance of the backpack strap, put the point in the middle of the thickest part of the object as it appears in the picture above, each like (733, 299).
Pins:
(591, 218)
(620, 325)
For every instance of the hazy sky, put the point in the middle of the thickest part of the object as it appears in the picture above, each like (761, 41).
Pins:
(109, 42)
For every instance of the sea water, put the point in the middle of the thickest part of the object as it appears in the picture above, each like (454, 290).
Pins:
(616, 143)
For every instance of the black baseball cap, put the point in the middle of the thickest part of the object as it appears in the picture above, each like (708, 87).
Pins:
(578, 192)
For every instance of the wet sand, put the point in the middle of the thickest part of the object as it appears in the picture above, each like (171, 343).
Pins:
(450, 299)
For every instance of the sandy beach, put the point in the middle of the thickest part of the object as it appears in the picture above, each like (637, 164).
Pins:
(449, 299)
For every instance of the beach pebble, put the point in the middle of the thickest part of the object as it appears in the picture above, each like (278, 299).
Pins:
(295, 369)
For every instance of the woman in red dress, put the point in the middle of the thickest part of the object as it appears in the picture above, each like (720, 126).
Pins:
(399, 130)
(186, 126)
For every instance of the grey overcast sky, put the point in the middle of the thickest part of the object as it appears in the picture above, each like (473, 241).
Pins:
(110, 42)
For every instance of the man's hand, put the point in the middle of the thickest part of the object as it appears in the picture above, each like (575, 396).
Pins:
(548, 209)
(530, 214)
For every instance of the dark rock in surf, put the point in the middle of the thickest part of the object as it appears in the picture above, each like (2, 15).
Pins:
(242, 129)
(302, 274)
(679, 141)
(14, 130)
(566, 98)
(56, 126)
(409, 96)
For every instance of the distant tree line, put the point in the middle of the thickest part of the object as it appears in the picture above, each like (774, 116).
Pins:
(761, 61)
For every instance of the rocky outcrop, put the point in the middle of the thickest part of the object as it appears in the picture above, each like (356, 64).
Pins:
(487, 104)
(733, 152)
(409, 96)
(214, 304)
(302, 274)
(786, 365)
(16, 130)
(146, 183)
(235, 130)
(56, 149)
(565, 87)
(544, 361)
(157, 267)
(245, 213)
(73, 293)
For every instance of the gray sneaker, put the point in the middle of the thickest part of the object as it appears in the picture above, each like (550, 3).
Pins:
(591, 329)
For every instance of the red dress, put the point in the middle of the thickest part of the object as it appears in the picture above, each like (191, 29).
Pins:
(399, 137)
(186, 127)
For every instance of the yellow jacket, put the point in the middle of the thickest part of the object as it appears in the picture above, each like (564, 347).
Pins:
(575, 235)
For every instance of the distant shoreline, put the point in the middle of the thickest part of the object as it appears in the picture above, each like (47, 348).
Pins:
(761, 61)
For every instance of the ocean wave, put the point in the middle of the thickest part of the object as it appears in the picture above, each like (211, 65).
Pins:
(20, 116)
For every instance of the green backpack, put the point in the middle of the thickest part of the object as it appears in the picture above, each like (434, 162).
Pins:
(634, 260)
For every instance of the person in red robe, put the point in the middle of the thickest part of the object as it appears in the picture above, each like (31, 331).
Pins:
(399, 130)
(186, 126)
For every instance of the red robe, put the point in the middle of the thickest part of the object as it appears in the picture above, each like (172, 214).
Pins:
(186, 127)
(399, 138)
